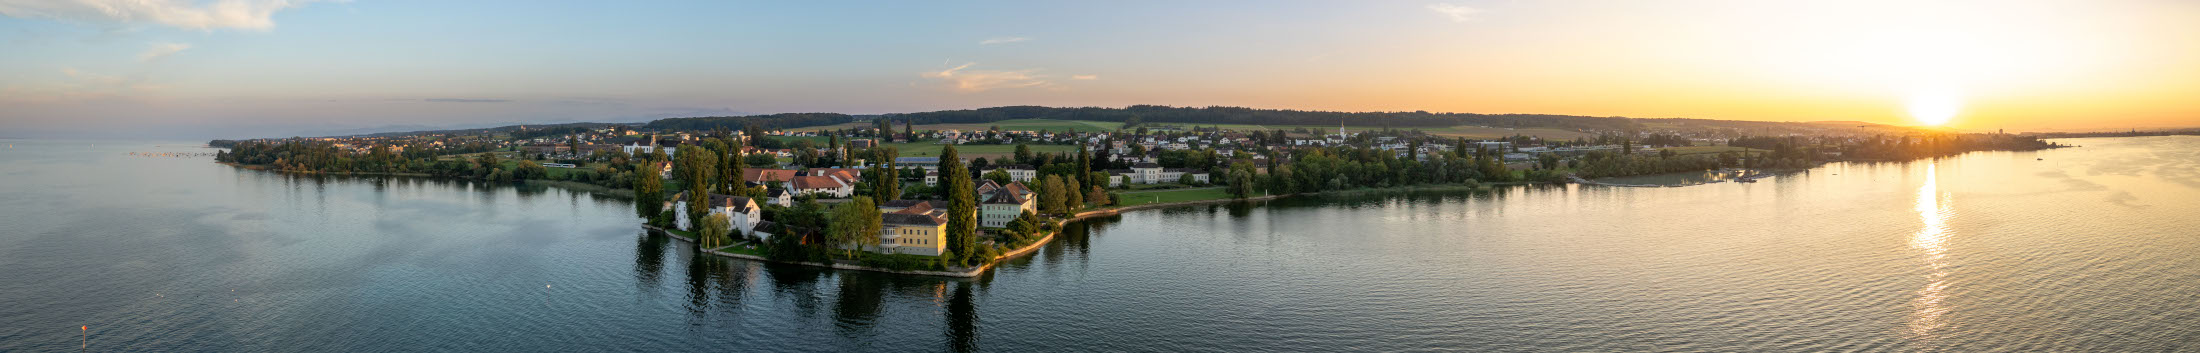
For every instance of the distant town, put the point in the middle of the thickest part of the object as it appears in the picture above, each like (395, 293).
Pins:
(949, 193)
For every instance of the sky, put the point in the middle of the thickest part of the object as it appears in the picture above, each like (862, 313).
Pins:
(258, 68)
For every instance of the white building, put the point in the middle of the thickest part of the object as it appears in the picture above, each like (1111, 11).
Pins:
(1017, 172)
(1149, 173)
(741, 211)
(1000, 204)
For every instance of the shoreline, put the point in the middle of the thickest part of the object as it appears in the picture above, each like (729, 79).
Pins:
(592, 189)
(980, 270)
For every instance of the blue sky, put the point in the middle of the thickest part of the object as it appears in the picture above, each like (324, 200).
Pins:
(182, 68)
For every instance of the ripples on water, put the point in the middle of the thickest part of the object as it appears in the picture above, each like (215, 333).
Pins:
(2090, 249)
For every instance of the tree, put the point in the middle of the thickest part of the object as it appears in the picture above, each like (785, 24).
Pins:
(649, 194)
(1185, 179)
(855, 224)
(1076, 200)
(1098, 196)
(1241, 183)
(698, 206)
(1023, 153)
(762, 160)
(998, 176)
(962, 206)
(1051, 200)
(716, 230)
(1084, 166)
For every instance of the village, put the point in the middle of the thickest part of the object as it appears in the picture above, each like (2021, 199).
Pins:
(953, 198)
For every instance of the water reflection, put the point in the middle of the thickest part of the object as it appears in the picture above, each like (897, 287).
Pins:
(1934, 210)
(962, 320)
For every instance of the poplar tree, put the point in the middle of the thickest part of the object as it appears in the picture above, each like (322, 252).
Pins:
(962, 206)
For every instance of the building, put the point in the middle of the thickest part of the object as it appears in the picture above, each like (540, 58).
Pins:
(763, 176)
(1149, 173)
(741, 211)
(998, 204)
(898, 205)
(928, 163)
(917, 229)
(779, 197)
(822, 186)
(1016, 172)
(931, 178)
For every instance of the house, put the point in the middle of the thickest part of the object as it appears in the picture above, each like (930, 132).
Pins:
(999, 204)
(931, 178)
(912, 233)
(762, 176)
(824, 186)
(1149, 173)
(913, 228)
(779, 197)
(741, 211)
(847, 174)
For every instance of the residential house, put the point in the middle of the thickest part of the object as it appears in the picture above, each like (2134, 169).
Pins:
(999, 204)
(823, 186)
(740, 211)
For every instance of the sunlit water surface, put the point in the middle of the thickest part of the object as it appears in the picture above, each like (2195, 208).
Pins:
(2082, 249)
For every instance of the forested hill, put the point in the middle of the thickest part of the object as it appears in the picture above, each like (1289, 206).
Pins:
(1136, 113)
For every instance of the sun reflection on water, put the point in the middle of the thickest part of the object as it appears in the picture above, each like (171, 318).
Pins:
(1934, 210)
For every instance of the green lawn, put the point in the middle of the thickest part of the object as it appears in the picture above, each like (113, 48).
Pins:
(1011, 125)
(1467, 131)
(820, 141)
(1135, 198)
(1688, 150)
(742, 248)
(930, 149)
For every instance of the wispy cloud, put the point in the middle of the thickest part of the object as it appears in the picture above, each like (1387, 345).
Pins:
(1002, 40)
(969, 81)
(162, 50)
(465, 100)
(1084, 77)
(232, 14)
(1457, 13)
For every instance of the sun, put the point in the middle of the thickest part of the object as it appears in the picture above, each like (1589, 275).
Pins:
(1934, 106)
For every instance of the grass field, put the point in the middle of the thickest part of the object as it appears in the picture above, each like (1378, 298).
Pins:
(1135, 198)
(1467, 131)
(1689, 150)
(989, 152)
(1010, 125)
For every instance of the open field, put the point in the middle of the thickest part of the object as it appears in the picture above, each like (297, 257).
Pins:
(1009, 125)
(989, 152)
(1688, 150)
(1146, 197)
(1467, 131)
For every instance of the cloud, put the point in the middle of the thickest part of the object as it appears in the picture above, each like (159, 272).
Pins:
(162, 50)
(1084, 77)
(1457, 13)
(465, 100)
(969, 81)
(233, 14)
(1002, 40)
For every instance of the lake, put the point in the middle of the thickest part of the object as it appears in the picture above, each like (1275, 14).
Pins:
(2079, 249)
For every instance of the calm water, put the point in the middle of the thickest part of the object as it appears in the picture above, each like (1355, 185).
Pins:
(2092, 249)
